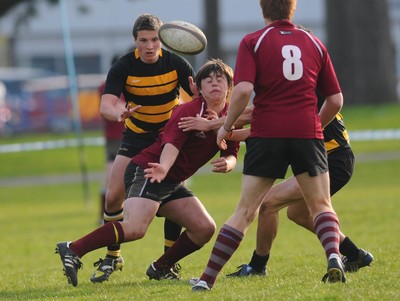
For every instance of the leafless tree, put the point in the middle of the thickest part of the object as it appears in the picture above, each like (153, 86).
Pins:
(362, 50)
(212, 28)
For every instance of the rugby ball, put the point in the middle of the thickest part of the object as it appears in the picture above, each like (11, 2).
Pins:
(182, 37)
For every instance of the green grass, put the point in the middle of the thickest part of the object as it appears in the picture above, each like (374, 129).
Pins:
(33, 218)
(371, 116)
(48, 162)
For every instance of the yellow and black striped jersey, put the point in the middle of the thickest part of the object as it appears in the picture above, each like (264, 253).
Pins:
(153, 86)
(335, 134)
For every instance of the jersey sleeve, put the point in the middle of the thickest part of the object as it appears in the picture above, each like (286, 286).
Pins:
(116, 77)
(245, 68)
(328, 83)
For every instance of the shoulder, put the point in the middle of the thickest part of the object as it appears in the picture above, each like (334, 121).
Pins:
(316, 41)
(175, 59)
(124, 62)
(128, 57)
(191, 108)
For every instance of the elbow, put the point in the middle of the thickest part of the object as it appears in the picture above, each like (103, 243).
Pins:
(232, 164)
(102, 111)
(339, 101)
(335, 102)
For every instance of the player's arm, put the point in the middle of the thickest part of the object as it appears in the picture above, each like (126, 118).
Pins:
(240, 98)
(113, 109)
(245, 117)
(224, 164)
(331, 106)
(238, 135)
(158, 171)
(211, 122)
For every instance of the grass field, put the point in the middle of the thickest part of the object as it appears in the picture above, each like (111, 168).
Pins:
(33, 218)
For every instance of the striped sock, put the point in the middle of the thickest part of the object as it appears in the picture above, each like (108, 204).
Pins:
(327, 229)
(228, 240)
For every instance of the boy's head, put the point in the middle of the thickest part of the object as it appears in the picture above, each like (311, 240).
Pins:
(274, 10)
(146, 22)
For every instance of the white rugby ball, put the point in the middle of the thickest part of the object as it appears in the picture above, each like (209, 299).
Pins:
(182, 37)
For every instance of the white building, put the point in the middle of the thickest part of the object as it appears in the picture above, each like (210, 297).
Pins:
(105, 29)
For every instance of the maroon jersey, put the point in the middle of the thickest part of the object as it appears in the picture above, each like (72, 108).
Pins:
(285, 64)
(196, 148)
(112, 129)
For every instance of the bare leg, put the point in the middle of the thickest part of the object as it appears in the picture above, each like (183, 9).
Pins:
(116, 189)
(232, 232)
(279, 196)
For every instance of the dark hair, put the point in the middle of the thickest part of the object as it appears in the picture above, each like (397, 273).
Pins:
(146, 22)
(217, 66)
(278, 9)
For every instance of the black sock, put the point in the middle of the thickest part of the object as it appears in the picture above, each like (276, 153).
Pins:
(113, 251)
(258, 262)
(349, 249)
(171, 233)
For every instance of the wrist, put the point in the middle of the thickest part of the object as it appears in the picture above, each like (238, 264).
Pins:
(225, 128)
(119, 116)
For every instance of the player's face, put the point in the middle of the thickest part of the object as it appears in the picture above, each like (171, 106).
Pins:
(148, 45)
(215, 87)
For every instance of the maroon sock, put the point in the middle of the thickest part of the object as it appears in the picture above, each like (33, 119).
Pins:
(108, 234)
(180, 249)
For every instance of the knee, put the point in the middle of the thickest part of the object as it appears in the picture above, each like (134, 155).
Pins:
(247, 215)
(209, 229)
(114, 200)
(134, 233)
(269, 205)
(205, 231)
(264, 208)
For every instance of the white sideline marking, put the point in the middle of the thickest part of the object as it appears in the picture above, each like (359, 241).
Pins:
(51, 144)
(366, 135)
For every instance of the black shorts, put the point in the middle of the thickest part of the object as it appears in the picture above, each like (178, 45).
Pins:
(271, 157)
(136, 185)
(133, 143)
(341, 167)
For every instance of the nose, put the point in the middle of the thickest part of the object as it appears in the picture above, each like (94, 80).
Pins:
(149, 45)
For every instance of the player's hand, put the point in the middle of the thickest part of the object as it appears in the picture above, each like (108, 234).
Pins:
(191, 123)
(221, 135)
(127, 112)
(220, 165)
(156, 172)
(211, 115)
